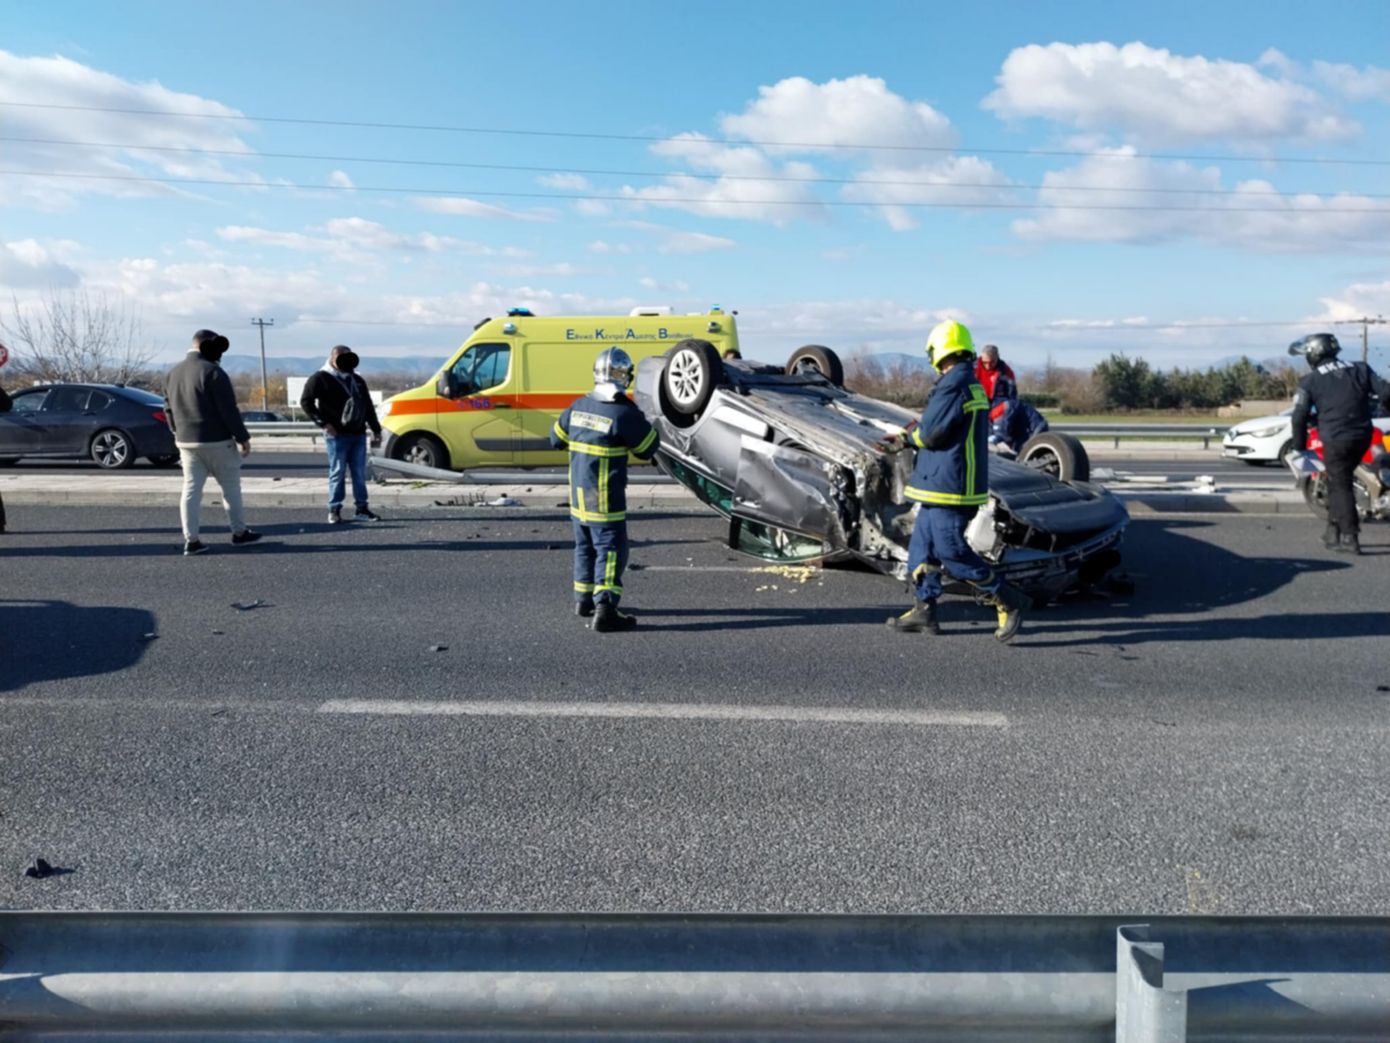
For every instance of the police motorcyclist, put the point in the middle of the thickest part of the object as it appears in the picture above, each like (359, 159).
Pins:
(950, 482)
(1341, 394)
(599, 430)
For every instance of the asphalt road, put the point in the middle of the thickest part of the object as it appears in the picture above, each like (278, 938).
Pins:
(1214, 742)
(272, 463)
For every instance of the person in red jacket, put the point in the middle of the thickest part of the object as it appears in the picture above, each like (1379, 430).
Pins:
(998, 380)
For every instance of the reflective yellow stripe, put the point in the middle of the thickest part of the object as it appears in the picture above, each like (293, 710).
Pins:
(646, 443)
(610, 574)
(584, 588)
(603, 486)
(593, 517)
(946, 499)
(970, 456)
(579, 500)
(561, 432)
(917, 438)
(975, 407)
(598, 450)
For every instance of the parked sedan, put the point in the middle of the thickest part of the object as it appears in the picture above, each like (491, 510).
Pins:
(807, 471)
(106, 423)
(1268, 439)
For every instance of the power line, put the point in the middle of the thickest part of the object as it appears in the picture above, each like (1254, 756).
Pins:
(659, 200)
(396, 161)
(593, 136)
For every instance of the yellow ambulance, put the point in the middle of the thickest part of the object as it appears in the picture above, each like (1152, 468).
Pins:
(496, 398)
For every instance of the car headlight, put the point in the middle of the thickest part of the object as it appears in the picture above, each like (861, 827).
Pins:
(1266, 432)
(386, 408)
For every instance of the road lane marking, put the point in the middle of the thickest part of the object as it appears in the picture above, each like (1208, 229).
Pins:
(668, 712)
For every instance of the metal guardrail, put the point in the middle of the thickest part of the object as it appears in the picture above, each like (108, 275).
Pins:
(197, 976)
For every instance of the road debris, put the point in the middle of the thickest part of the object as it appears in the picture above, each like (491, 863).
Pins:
(247, 606)
(41, 869)
(439, 648)
(148, 637)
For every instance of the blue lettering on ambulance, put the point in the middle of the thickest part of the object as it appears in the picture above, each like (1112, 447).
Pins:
(598, 335)
(661, 333)
(569, 334)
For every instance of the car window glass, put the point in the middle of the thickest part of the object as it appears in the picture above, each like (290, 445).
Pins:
(100, 400)
(481, 367)
(30, 402)
(67, 400)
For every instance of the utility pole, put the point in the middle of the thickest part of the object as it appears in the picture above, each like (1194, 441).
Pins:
(1365, 324)
(265, 382)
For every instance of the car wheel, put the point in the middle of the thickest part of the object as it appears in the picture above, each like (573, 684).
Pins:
(423, 450)
(166, 460)
(1284, 450)
(1060, 455)
(693, 369)
(112, 450)
(816, 358)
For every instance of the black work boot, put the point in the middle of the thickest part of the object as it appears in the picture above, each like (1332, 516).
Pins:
(607, 618)
(1331, 536)
(1009, 605)
(584, 607)
(919, 619)
(1350, 543)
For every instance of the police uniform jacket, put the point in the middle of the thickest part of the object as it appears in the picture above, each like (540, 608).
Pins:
(599, 436)
(1343, 395)
(952, 468)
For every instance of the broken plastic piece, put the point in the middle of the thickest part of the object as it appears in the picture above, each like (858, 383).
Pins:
(247, 606)
(439, 648)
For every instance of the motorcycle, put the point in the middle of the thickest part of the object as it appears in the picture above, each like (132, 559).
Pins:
(1370, 481)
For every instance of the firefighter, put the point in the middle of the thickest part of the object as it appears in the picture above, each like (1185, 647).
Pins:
(1341, 393)
(950, 482)
(599, 430)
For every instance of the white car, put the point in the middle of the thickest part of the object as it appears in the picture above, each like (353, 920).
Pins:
(1266, 439)
(1263, 440)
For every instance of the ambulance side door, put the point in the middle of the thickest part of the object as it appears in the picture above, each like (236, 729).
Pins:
(481, 428)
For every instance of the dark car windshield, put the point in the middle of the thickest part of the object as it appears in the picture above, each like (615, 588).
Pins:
(143, 397)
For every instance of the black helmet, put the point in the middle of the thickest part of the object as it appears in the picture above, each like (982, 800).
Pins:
(1317, 348)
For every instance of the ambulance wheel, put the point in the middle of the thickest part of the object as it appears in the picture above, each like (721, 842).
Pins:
(816, 358)
(693, 369)
(1061, 456)
(422, 449)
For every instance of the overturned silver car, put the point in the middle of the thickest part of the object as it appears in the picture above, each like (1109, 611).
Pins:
(805, 471)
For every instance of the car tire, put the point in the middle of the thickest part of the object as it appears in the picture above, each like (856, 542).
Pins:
(422, 449)
(693, 369)
(820, 359)
(1060, 455)
(112, 450)
(166, 460)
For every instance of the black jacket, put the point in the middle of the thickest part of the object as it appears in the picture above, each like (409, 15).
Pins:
(202, 404)
(326, 395)
(1341, 393)
(5, 402)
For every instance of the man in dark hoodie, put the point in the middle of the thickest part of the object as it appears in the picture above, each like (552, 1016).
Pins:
(208, 431)
(4, 408)
(336, 399)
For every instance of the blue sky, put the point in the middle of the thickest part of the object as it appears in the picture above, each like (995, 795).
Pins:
(707, 191)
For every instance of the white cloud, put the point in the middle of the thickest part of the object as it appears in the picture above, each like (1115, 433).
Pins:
(674, 286)
(675, 241)
(27, 264)
(460, 206)
(61, 81)
(592, 208)
(563, 269)
(960, 181)
(356, 238)
(599, 246)
(1364, 84)
(1357, 300)
(736, 193)
(215, 294)
(1152, 94)
(567, 182)
(838, 114)
(846, 325)
(1253, 216)
(340, 179)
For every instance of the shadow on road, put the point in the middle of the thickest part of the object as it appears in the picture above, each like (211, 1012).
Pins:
(56, 640)
(1178, 574)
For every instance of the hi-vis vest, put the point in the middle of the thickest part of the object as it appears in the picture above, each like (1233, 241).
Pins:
(599, 435)
(952, 438)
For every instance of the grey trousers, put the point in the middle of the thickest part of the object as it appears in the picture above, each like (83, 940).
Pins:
(223, 462)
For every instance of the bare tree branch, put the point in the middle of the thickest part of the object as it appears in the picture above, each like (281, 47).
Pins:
(75, 336)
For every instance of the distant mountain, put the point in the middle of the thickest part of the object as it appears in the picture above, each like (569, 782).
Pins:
(895, 358)
(303, 365)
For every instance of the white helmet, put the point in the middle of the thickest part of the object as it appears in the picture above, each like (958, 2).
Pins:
(613, 366)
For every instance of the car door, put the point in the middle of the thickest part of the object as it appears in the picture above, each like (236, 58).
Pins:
(19, 427)
(66, 426)
(479, 422)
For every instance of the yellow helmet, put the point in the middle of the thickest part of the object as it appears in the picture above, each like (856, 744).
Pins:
(948, 338)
